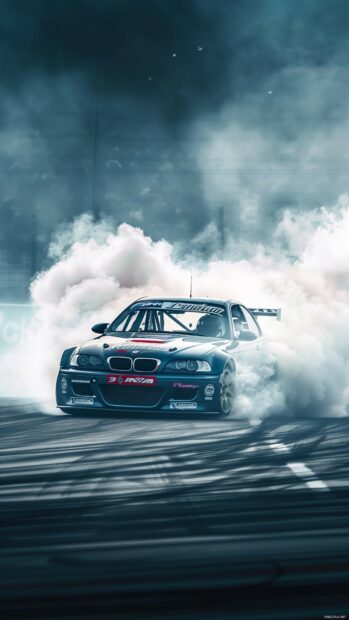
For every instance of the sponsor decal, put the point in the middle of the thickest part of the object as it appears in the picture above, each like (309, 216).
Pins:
(81, 400)
(180, 305)
(185, 385)
(148, 304)
(130, 380)
(190, 307)
(209, 391)
(182, 405)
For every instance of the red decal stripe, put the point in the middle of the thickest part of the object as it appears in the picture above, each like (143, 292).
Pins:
(131, 380)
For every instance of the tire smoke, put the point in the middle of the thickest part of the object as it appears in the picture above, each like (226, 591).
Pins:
(98, 270)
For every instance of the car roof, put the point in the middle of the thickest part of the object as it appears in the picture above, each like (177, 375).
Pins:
(201, 300)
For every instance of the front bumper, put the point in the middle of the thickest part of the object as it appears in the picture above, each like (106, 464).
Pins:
(77, 389)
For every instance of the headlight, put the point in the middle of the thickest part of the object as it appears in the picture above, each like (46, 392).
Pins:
(189, 366)
(84, 361)
(95, 361)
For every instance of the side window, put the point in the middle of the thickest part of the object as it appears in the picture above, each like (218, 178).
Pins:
(238, 318)
(251, 322)
(243, 320)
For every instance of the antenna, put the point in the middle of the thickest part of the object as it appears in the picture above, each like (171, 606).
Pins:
(191, 287)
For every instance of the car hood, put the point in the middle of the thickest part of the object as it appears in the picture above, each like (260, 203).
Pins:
(165, 346)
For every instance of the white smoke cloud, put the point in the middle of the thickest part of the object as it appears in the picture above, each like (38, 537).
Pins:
(98, 271)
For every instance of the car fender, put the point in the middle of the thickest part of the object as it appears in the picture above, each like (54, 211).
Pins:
(219, 360)
(66, 355)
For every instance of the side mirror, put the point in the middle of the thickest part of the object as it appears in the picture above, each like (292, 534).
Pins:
(99, 328)
(247, 335)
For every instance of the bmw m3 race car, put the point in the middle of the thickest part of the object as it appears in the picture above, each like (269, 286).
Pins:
(163, 355)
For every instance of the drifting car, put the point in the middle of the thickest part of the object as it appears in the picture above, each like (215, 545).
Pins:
(163, 355)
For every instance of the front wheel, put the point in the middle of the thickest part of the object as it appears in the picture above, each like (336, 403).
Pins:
(227, 390)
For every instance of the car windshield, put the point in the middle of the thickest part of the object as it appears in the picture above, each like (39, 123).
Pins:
(169, 317)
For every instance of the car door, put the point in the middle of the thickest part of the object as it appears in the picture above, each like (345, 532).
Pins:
(249, 339)
(257, 346)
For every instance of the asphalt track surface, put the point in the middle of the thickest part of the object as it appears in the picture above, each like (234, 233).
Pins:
(156, 517)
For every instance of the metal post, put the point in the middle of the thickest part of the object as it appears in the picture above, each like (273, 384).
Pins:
(95, 203)
(221, 228)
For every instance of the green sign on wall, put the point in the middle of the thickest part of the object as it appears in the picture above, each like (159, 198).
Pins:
(15, 320)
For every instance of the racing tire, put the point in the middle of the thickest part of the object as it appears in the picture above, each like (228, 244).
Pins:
(227, 390)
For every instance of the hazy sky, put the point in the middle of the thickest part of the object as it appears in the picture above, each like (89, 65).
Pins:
(113, 47)
(160, 112)
(201, 122)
